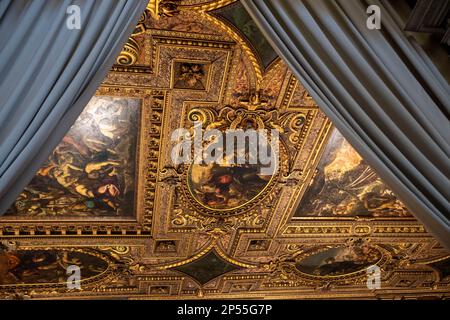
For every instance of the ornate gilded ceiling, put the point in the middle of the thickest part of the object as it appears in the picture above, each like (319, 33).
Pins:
(110, 200)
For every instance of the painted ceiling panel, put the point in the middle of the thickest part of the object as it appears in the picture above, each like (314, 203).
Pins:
(343, 185)
(238, 17)
(92, 171)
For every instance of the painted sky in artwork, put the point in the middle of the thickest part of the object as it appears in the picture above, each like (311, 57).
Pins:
(92, 170)
(344, 185)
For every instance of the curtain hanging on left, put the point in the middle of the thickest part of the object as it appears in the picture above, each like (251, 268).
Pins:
(53, 56)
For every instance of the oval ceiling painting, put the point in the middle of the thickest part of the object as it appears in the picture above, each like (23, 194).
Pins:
(226, 187)
(338, 261)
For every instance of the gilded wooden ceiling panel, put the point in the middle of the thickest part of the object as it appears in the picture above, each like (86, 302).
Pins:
(111, 200)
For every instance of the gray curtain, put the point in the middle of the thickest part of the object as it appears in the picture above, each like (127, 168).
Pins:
(378, 88)
(48, 73)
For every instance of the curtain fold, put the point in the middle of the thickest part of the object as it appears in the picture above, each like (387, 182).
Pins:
(48, 74)
(378, 88)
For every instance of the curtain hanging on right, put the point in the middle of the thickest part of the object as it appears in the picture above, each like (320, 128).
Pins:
(378, 88)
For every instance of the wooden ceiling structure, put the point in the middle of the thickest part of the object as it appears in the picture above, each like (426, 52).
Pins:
(189, 60)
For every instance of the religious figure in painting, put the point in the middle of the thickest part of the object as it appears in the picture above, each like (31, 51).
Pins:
(189, 75)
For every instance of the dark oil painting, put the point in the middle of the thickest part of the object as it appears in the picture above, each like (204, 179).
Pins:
(206, 268)
(337, 261)
(344, 185)
(46, 266)
(224, 187)
(191, 76)
(92, 170)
